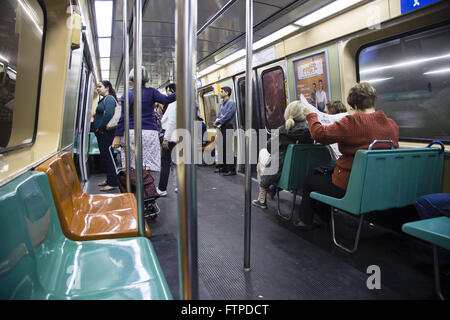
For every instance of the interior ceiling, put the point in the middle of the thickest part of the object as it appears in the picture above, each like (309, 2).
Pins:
(223, 36)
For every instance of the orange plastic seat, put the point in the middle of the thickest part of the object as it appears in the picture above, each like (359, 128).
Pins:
(89, 216)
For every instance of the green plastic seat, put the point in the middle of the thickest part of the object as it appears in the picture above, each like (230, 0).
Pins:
(384, 179)
(299, 161)
(38, 262)
(435, 231)
(93, 145)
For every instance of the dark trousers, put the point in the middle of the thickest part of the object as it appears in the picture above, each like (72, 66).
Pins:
(166, 161)
(226, 167)
(105, 140)
(322, 184)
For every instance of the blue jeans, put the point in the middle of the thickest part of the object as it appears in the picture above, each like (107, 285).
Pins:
(432, 206)
(105, 140)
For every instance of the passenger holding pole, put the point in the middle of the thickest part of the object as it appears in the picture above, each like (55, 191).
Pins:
(150, 133)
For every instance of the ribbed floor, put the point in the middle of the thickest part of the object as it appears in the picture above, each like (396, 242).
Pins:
(286, 263)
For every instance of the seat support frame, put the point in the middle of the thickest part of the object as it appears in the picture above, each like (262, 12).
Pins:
(437, 281)
(358, 233)
(287, 218)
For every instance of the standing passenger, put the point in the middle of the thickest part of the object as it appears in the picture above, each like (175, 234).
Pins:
(104, 113)
(352, 133)
(224, 121)
(151, 153)
(169, 124)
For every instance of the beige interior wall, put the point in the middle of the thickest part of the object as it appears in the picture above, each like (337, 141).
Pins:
(412, 21)
(57, 46)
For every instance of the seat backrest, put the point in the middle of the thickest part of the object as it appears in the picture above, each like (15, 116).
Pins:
(384, 179)
(27, 219)
(299, 162)
(71, 173)
(61, 190)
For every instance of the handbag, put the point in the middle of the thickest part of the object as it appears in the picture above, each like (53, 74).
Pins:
(161, 135)
(150, 192)
(115, 118)
(326, 170)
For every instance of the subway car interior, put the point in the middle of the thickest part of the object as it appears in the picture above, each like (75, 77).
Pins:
(64, 237)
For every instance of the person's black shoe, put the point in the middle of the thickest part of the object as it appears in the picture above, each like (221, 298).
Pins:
(230, 173)
(301, 225)
(261, 205)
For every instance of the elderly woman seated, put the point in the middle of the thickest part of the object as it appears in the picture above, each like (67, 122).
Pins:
(351, 133)
(294, 130)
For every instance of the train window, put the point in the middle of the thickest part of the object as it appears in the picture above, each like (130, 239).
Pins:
(274, 97)
(211, 108)
(412, 77)
(21, 46)
(242, 105)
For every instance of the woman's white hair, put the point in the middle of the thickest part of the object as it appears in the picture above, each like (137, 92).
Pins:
(145, 76)
(293, 112)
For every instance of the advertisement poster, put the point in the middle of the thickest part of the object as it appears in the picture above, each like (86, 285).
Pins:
(311, 80)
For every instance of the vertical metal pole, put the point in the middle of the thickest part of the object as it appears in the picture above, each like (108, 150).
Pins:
(126, 103)
(248, 136)
(437, 281)
(186, 48)
(138, 114)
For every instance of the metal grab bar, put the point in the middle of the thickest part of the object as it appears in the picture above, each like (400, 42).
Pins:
(186, 48)
(126, 103)
(439, 142)
(382, 141)
(248, 140)
(138, 114)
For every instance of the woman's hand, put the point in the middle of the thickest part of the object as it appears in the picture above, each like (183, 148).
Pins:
(116, 142)
(165, 144)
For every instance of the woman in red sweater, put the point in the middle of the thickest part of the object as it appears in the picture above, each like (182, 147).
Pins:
(353, 132)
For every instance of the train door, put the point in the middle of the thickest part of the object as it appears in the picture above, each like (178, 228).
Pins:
(77, 145)
(82, 128)
(239, 84)
(209, 108)
(272, 92)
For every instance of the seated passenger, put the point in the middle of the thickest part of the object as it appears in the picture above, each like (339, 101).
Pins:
(352, 133)
(335, 107)
(294, 130)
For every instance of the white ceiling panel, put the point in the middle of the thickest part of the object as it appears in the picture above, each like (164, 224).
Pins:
(222, 36)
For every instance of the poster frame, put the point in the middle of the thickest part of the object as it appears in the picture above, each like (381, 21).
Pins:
(327, 71)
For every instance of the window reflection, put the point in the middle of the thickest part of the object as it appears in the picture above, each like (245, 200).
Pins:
(274, 97)
(21, 34)
(412, 77)
(7, 89)
(211, 108)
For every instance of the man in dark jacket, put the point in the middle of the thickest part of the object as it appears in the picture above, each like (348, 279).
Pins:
(224, 121)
